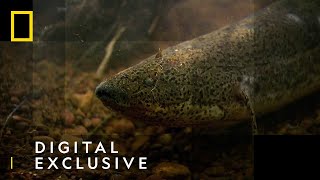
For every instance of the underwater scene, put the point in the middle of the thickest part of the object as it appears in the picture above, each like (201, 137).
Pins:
(155, 89)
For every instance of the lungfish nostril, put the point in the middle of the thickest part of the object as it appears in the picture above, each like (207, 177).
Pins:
(111, 94)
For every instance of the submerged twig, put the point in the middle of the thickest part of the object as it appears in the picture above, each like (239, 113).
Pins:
(109, 49)
(98, 44)
(10, 115)
(153, 25)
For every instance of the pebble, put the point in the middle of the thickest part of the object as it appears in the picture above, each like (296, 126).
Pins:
(68, 118)
(76, 131)
(71, 139)
(17, 92)
(154, 177)
(83, 101)
(306, 123)
(165, 139)
(41, 129)
(122, 151)
(14, 100)
(18, 118)
(36, 93)
(95, 122)
(122, 126)
(117, 177)
(170, 170)
(188, 130)
(62, 177)
(91, 148)
(139, 142)
(37, 116)
(21, 126)
(45, 139)
(86, 123)
(24, 107)
(55, 134)
(78, 112)
(150, 130)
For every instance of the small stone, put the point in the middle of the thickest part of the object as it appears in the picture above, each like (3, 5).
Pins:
(92, 147)
(18, 118)
(120, 148)
(37, 116)
(71, 139)
(108, 130)
(55, 134)
(188, 130)
(122, 126)
(83, 101)
(77, 131)
(115, 136)
(154, 177)
(86, 168)
(170, 170)
(24, 107)
(68, 118)
(62, 177)
(14, 100)
(150, 130)
(17, 92)
(165, 139)
(95, 122)
(36, 93)
(21, 126)
(78, 112)
(87, 123)
(40, 128)
(139, 142)
(117, 177)
(45, 139)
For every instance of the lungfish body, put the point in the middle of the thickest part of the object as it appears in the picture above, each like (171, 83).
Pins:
(257, 65)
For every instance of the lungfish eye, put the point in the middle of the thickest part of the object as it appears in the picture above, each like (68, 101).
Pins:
(149, 82)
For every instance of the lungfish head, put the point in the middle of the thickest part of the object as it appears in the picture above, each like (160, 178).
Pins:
(175, 87)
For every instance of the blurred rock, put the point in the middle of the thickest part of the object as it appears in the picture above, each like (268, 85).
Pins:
(45, 139)
(68, 118)
(55, 134)
(95, 122)
(14, 100)
(62, 177)
(71, 139)
(87, 123)
(37, 116)
(117, 177)
(139, 142)
(122, 126)
(122, 151)
(17, 92)
(77, 131)
(165, 139)
(154, 177)
(170, 170)
(152, 130)
(83, 101)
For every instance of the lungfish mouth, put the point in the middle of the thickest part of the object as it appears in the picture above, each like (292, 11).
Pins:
(111, 96)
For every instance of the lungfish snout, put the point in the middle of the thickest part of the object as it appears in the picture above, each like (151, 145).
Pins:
(110, 94)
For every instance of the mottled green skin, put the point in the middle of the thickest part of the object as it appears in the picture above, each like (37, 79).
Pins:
(268, 59)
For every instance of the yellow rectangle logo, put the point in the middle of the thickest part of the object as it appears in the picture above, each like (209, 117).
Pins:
(30, 38)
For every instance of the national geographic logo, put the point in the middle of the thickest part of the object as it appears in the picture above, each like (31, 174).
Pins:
(16, 19)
